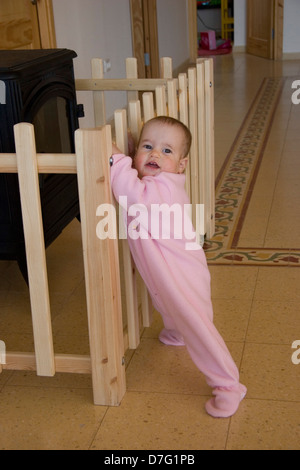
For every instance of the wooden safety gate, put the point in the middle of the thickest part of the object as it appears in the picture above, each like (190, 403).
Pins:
(101, 263)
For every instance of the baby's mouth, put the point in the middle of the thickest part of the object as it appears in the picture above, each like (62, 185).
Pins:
(152, 165)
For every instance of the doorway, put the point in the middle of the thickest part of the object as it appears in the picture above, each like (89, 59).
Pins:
(265, 28)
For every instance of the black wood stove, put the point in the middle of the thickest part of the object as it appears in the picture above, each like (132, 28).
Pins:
(37, 86)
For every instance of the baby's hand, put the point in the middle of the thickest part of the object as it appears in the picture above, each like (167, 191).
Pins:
(131, 145)
(115, 149)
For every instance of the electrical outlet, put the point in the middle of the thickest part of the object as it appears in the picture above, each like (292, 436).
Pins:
(106, 65)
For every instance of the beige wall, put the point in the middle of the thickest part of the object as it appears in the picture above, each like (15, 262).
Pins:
(102, 28)
(95, 28)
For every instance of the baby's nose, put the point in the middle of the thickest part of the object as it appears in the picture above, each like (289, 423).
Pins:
(155, 153)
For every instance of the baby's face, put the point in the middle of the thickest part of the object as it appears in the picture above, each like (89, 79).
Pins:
(161, 148)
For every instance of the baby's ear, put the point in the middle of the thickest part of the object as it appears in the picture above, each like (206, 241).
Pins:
(183, 164)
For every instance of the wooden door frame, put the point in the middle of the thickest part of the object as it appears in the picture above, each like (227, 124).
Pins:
(278, 29)
(145, 36)
(46, 24)
(193, 32)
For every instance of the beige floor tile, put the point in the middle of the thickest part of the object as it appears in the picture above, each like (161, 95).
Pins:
(273, 322)
(254, 230)
(4, 376)
(38, 418)
(265, 425)
(70, 325)
(156, 367)
(60, 380)
(11, 278)
(231, 318)
(22, 342)
(232, 282)
(65, 260)
(268, 372)
(155, 328)
(16, 315)
(278, 284)
(161, 422)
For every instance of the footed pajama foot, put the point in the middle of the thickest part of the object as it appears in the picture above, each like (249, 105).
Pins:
(171, 338)
(226, 402)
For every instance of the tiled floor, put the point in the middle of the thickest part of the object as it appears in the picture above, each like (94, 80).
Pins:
(256, 311)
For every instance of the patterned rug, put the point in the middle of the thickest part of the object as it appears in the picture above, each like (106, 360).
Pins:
(235, 184)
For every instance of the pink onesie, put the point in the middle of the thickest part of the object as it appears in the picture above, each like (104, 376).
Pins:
(177, 278)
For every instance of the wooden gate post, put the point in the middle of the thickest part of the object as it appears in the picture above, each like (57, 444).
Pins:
(35, 248)
(101, 265)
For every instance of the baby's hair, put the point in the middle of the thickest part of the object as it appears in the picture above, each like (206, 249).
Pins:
(174, 122)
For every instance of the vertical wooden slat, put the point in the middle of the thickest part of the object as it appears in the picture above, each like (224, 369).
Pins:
(2, 355)
(120, 116)
(132, 72)
(129, 267)
(35, 248)
(148, 106)
(135, 125)
(172, 98)
(183, 99)
(166, 67)
(98, 96)
(193, 126)
(135, 119)
(209, 151)
(146, 302)
(184, 117)
(201, 199)
(160, 100)
(93, 148)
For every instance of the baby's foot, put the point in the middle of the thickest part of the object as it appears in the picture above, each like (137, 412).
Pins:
(171, 338)
(226, 402)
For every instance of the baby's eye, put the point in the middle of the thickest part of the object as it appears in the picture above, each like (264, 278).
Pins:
(147, 146)
(167, 150)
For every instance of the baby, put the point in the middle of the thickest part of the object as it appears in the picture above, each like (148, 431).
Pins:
(178, 279)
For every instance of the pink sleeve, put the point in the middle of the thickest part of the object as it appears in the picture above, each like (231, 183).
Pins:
(148, 190)
(125, 180)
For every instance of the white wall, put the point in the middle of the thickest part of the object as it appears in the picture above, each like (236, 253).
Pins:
(291, 31)
(102, 28)
(95, 28)
(173, 33)
(240, 23)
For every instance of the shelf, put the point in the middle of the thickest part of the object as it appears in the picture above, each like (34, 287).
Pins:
(211, 5)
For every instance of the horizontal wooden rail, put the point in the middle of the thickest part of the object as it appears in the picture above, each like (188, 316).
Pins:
(119, 84)
(67, 363)
(47, 163)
